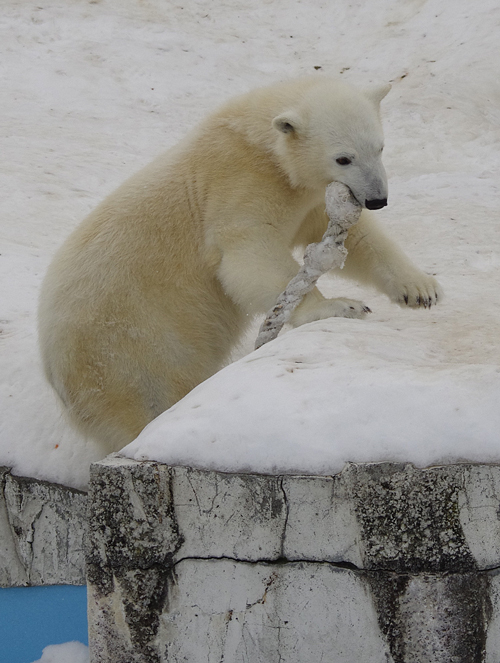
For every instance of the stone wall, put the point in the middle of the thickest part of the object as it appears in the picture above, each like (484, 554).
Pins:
(42, 527)
(380, 563)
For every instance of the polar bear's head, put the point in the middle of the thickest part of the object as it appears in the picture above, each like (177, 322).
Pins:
(334, 134)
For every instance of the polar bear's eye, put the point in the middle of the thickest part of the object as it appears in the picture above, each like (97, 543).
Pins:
(343, 161)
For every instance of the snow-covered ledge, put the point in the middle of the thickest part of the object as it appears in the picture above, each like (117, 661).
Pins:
(381, 562)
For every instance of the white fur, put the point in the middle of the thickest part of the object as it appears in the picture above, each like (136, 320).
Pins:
(150, 293)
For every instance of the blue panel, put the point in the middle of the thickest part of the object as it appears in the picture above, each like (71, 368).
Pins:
(33, 617)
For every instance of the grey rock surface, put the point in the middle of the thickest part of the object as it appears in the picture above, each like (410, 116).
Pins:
(222, 610)
(12, 571)
(42, 527)
(382, 562)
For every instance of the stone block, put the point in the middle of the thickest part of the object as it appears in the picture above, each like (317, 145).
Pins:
(410, 518)
(221, 610)
(42, 527)
(240, 516)
(322, 507)
(12, 570)
(479, 508)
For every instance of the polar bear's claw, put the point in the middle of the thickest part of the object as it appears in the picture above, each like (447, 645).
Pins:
(414, 289)
(419, 295)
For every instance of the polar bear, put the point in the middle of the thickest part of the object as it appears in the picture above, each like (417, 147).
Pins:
(150, 293)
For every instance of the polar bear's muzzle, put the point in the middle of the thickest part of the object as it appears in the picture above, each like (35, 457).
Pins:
(376, 203)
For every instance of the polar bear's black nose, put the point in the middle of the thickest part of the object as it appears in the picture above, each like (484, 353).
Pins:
(375, 204)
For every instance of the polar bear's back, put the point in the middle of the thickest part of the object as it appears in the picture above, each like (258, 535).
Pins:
(126, 301)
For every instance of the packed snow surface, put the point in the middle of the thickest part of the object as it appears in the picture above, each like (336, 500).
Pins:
(297, 405)
(69, 652)
(93, 90)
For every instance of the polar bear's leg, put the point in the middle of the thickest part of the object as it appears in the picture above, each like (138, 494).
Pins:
(253, 273)
(375, 259)
(316, 307)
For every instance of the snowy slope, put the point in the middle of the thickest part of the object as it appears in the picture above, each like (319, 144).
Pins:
(93, 90)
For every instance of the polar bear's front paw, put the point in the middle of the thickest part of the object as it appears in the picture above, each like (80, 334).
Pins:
(344, 308)
(420, 290)
(329, 308)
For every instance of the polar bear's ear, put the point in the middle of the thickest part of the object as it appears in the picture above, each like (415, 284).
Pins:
(288, 123)
(376, 94)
